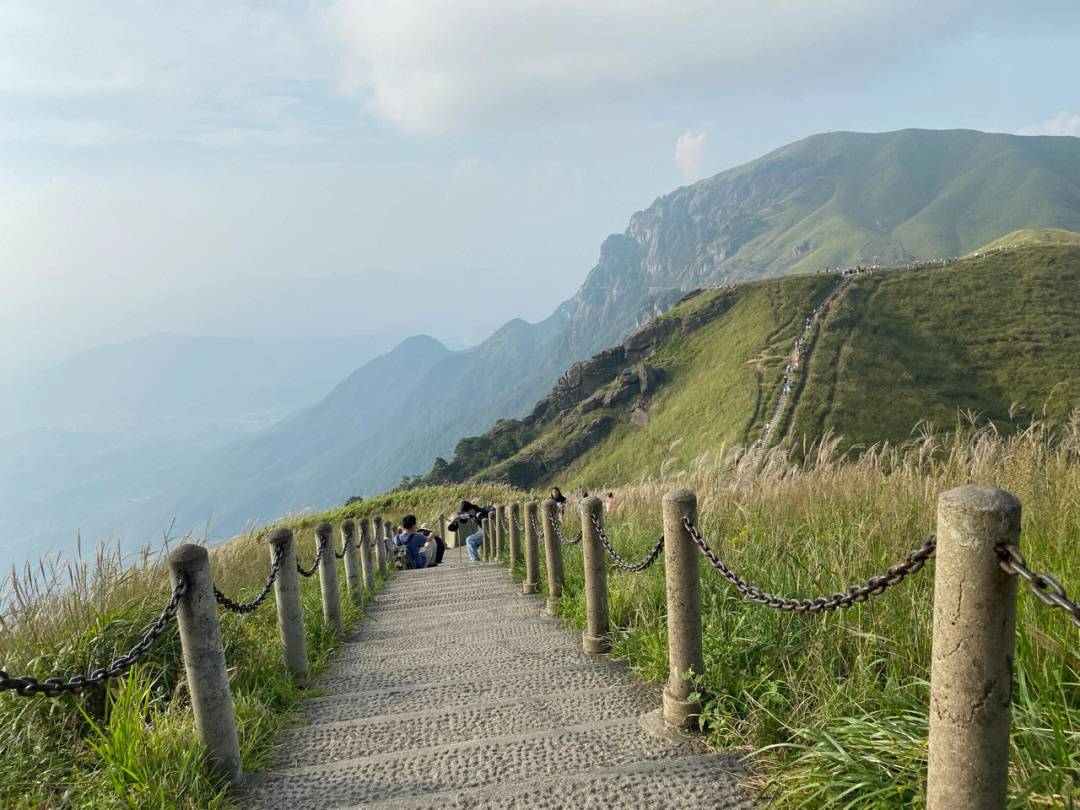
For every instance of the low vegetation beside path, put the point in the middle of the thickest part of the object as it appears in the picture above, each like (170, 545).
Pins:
(836, 704)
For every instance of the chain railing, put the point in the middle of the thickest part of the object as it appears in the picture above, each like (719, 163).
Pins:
(248, 607)
(310, 572)
(619, 561)
(1044, 586)
(875, 586)
(27, 686)
(556, 523)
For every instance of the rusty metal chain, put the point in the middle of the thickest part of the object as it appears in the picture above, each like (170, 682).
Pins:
(912, 562)
(558, 533)
(536, 528)
(28, 686)
(619, 561)
(315, 565)
(248, 607)
(1044, 586)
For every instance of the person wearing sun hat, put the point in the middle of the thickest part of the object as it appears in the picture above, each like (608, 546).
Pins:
(440, 544)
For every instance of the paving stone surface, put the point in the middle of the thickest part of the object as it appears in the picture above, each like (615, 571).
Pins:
(458, 692)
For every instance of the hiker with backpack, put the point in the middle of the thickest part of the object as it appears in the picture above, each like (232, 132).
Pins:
(409, 543)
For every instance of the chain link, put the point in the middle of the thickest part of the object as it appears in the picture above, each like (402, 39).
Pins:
(912, 562)
(344, 547)
(536, 528)
(558, 533)
(619, 561)
(315, 566)
(1044, 586)
(248, 607)
(28, 686)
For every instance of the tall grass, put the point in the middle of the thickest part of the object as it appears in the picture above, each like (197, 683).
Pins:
(132, 743)
(836, 705)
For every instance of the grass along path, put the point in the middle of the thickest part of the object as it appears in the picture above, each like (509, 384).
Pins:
(132, 742)
(836, 705)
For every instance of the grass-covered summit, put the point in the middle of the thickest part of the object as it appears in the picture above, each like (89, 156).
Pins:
(900, 352)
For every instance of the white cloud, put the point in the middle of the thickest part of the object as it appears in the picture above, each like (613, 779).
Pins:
(689, 155)
(434, 66)
(1063, 124)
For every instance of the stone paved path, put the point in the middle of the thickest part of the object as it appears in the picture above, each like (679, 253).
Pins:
(458, 692)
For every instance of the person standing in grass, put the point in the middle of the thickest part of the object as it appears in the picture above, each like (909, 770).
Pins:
(559, 498)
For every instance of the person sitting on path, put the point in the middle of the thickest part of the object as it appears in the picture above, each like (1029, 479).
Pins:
(440, 544)
(470, 511)
(412, 541)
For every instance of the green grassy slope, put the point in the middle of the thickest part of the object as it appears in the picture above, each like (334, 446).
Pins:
(722, 383)
(908, 346)
(900, 349)
(1029, 237)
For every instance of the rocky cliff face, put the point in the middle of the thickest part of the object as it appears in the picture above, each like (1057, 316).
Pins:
(838, 199)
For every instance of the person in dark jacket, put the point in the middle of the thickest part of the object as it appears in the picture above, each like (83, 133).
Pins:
(470, 511)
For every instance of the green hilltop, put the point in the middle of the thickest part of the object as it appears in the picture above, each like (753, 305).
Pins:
(1032, 236)
(901, 350)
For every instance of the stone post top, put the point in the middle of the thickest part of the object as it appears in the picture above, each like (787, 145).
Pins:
(680, 496)
(280, 536)
(979, 498)
(530, 504)
(188, 556)
(592, 503)
(347, 526)
(323, 529)
(515, 507)
(376, 520)
(547, 503)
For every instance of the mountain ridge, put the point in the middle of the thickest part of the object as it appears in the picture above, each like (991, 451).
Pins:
(831, 199)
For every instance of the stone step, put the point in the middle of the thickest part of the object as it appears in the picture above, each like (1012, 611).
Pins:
(508, 665)
(450, 650)
(441, 691)
(475, 612)
(713, 781)
(368, 734)
(388, 637)
(503, 760)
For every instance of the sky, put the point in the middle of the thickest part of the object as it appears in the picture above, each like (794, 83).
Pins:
(290, 170)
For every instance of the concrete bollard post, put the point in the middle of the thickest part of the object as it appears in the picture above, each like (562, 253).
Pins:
(532, 551)
(487, 543)
(553, 550)
(351, 558)
(594, 640)
(328, 580)
(515, 534)
(377, 539)
(289, 610)
(682, 572)
(204, 662)
(500, 531)
(366, 563)
(974, 635)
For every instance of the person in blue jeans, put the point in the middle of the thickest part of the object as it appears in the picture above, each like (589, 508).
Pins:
(467, 512)
(412, 541)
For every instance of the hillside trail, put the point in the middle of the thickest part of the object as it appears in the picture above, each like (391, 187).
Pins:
(798, 355)
(459, 692)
